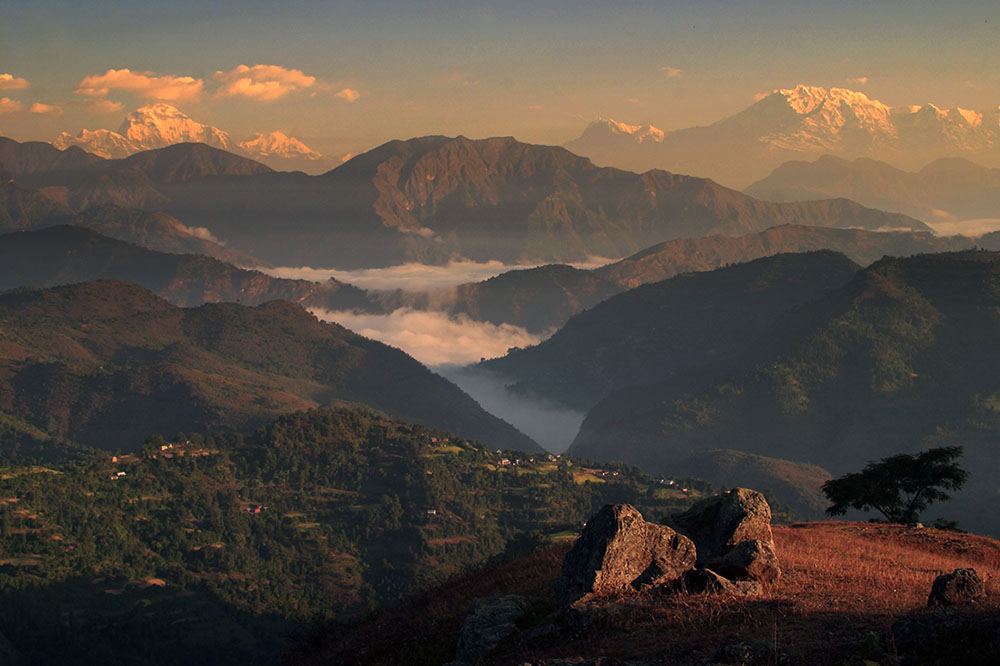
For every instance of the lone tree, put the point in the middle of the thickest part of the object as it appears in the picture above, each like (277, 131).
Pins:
(899, 487)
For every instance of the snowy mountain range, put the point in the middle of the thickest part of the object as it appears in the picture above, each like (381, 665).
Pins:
(160, 125)
(798, 123)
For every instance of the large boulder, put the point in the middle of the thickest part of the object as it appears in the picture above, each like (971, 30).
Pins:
(489, 622)
(960, 586)
(732, 533)
(618, 550)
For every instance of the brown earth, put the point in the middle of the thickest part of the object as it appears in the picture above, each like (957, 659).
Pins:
(844, 584)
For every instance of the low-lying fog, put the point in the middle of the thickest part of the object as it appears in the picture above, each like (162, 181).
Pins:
(413, 276)
(447, 343)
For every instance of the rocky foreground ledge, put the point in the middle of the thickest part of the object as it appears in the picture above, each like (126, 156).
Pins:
(848, 593)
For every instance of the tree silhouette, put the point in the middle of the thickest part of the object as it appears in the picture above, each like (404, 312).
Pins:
(899, 487)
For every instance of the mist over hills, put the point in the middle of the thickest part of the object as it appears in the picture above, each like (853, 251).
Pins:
(899, 359)
(803, 122)
(107, 363)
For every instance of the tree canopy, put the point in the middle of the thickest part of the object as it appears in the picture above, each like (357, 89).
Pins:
(899, 487)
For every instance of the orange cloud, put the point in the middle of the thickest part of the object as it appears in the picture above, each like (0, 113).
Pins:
(350, 94)
(861, 80)
(671, 72)
(8, 105)
(145, 85)
(11, 82)
(45, 109)
(263, 83)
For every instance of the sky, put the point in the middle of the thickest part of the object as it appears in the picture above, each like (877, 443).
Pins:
(346, 76)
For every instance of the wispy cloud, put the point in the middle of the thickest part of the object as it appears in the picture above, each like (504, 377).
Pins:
(45, 109)
(633, 100)
(11, 82)
(8, 105)
(349, 94)
(858, 80)
(145, 85)
(536, 107)
(264, 83)
(434, 338)
(671, 72)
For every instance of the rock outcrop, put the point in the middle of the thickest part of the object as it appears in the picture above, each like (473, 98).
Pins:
(732, 534)
(618, 550)
(960, 586)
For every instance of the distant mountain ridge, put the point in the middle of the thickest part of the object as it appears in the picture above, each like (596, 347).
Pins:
(434, 199)
(803, 122)
(946, 189)
(160, 125)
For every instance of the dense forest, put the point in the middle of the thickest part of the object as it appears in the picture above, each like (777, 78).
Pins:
(228, 548)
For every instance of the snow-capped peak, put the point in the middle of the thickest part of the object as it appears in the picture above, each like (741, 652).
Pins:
(638, 132)
(277, 144)
(159, 125)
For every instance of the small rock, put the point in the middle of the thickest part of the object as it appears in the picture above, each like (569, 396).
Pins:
(706, 581)
(752, 559)
(960, 586)
(618, 550)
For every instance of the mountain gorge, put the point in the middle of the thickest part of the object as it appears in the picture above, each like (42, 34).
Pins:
(799, 123)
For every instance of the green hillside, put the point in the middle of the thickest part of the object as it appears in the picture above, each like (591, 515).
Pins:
(644, 335)
(106, 363)
(224, 549)
(901, 358)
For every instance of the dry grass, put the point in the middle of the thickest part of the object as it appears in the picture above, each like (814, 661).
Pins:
(843, 586)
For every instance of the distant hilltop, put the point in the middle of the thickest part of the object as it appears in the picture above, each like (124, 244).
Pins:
(797, 123)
